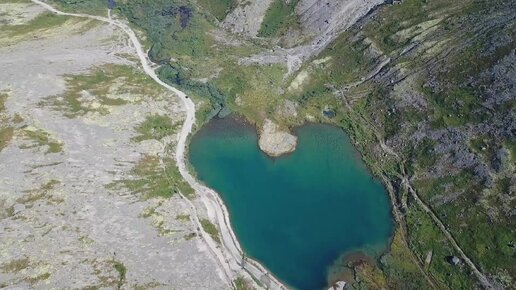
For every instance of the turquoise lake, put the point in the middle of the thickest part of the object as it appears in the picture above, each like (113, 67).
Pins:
(299, 213)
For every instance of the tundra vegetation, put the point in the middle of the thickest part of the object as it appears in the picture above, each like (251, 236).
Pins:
(426, 91)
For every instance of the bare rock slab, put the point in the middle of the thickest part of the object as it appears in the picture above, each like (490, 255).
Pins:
(274, 141)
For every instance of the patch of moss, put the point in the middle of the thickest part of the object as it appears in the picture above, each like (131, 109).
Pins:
(211, 229)
(37, 194)
(280, 17)
(98, 7)
(43, 21)
(102, 88)
(219, 8)
(16, 266)
(399, 266)
(242, 284)
(3, 98)
(122, 271)
(426, 236)
(190, 236)
(252, 89)
(38, 278)
(6, 134)
(155, 127)
(183, 217)
(42, 138)
(155, 179)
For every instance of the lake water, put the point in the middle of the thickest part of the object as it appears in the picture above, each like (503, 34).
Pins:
(299, 213)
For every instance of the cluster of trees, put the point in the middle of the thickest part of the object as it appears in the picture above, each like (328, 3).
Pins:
(174, 75)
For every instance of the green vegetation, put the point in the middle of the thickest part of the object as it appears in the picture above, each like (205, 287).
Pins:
(456, 107)
(211, 229)
(190, 236)
(98, 7)
(36, 279)
(177, 76)
(178, 30)
(242, 284)
(41, 23)
(122, 271)
(42, 138)
(155, 127)
(484, 146)
(33, 195)
(101, 88)
(6, 134)
(85, 240)
(254, 86)
(425, 236)
(219, 8)
(173, 28)
(421, 155)
(183, 217)
(280, 17)
(398, 267)
(15, 266)
(155, 179)
(3, 98)
(50, 185)
(397, 18)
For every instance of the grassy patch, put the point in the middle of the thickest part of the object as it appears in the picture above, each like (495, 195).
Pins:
(173, 27)
(42, 138)
(122, 271)
(371, 276)
(98, 7)
(190, 236)
(395, 18)
(490, 244)
(155, 127)
(242, 284)
(16, 266)
(400, 268)
(280, 17)
(3, 98)
(253, 87)
(421, 156)
(38, 278)
(34, 195)
(219, 8)
(183, 217)
(103, 87)
(153, 179)
(42, 22)
(6, 134)
(484, 146)
(426, 236)
(211, 229)
(456, 107)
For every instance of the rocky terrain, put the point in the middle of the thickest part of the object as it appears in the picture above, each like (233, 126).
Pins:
(247, 17)
(83, 133)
